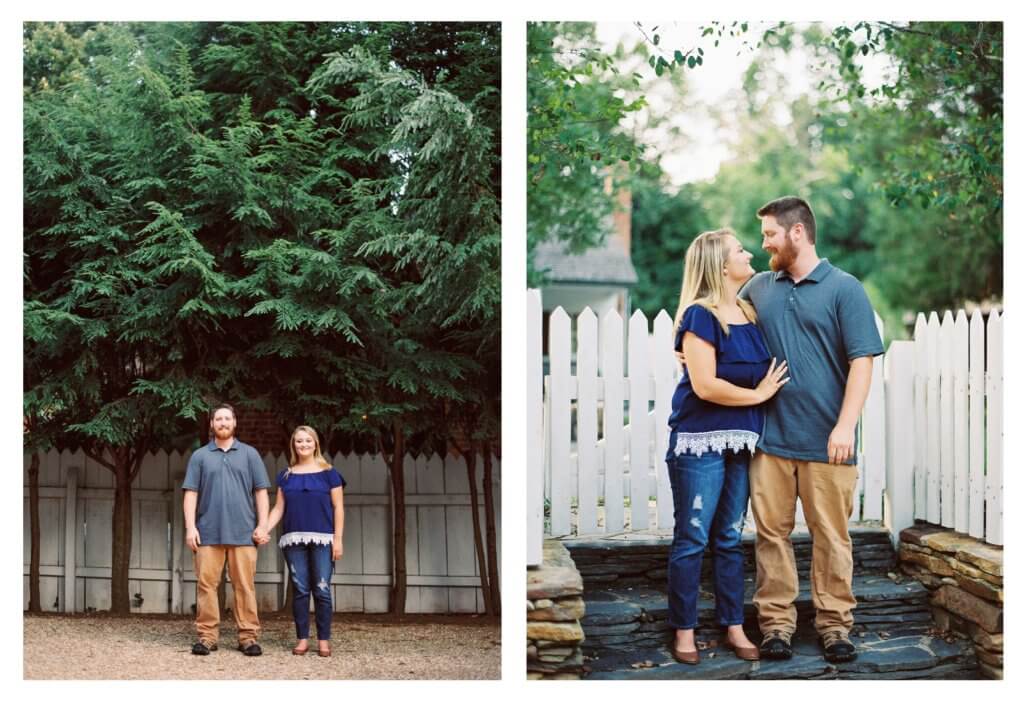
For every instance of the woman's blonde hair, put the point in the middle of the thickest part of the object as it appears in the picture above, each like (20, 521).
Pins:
(702, 276)
(317, 455)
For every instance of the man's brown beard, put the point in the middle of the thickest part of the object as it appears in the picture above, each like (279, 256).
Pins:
(784, 257)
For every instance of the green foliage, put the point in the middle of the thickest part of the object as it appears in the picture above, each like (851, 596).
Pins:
(942, 107)
(52, 56)
(100, 328)
(928, 139)
(261, 213)
(904, 177)
(577, 149)
(573, 140)
(663, 226)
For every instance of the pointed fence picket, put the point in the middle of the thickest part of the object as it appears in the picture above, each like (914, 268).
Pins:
(639, 421)
(921, 472)
(976, 428)
(559, 417)
(76, 501)
(872, 445)
(994, 432)
(961, 448)
(901, 469)
(664, 385)
(946, 400)
(930, 437)
(933, 439)
(586, 417)
(614, 435)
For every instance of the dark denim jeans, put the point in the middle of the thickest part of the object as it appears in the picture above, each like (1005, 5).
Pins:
(311, 568)
(710, 495)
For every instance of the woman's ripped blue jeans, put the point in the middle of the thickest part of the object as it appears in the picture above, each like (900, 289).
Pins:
(710, 496)
(311, 568)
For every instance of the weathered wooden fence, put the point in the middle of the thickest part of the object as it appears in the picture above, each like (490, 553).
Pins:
(597, 473)
(76, 507)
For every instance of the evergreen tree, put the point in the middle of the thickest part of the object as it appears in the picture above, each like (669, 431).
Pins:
(322, 242)
(116, 291)
(431, 234)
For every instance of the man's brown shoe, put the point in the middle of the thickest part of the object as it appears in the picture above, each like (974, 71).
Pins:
(203, 648)
(837, 646)
(776, 645)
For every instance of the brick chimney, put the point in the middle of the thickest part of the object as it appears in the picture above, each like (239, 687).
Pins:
(622, 214)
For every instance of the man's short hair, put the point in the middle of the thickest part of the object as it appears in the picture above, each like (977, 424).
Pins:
(225, 405)
(789, 211)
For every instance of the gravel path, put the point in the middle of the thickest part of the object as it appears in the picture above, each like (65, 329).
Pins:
(100, 646)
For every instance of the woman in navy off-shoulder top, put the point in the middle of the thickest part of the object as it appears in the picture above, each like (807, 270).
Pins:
(310, 499)
(716, 420)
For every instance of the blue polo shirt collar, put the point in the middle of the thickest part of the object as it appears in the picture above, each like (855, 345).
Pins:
(821, 270)
(212, 446)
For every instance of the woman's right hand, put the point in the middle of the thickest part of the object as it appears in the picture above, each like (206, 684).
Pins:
(772, 381)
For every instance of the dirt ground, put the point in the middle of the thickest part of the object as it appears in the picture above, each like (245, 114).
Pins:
(101, 646)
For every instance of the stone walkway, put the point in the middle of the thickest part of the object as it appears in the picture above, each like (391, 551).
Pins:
(918, 656)
(627, 632)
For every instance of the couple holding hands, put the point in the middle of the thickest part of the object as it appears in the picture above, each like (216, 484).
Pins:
(227, 516)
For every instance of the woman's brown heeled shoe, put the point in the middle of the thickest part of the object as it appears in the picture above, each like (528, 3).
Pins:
(691, 657)
(300, 650)
(750, 654)
(324, 652)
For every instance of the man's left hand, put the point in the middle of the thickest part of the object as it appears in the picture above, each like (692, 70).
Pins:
(840, 445)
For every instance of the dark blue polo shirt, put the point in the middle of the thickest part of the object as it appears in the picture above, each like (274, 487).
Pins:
(817, 326)
(225, 481)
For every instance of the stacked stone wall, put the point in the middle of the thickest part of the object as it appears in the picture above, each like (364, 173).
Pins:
(965, 578)
(554, 607)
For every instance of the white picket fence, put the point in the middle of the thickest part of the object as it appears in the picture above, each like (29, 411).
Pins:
(602, 480)
(959, 423)
(76, 507)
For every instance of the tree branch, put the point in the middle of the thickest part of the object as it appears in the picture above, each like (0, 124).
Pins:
(91, 452)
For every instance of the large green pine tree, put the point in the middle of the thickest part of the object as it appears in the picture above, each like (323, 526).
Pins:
(323, 247)
(116, 291)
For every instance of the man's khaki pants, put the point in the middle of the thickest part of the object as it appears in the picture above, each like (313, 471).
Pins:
(826, 492)
(209, 563)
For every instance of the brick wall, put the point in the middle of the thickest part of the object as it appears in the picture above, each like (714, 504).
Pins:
(263, 430)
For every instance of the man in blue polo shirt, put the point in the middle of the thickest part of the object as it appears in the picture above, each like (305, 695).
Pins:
(819, 320)
(225, 499)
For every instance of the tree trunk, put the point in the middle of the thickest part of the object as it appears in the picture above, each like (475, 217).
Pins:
(492, 531)
(477, 537)
(34, 603)
(396, 466)
(203, 430)
(122, 535)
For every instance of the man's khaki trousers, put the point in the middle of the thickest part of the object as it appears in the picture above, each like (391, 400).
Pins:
(826, 493)
(209, 563)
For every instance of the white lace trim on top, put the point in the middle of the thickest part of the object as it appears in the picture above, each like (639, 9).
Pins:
(304, 537)
(717, 441)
